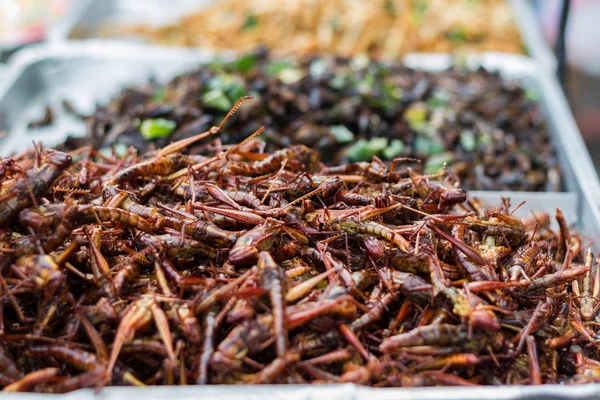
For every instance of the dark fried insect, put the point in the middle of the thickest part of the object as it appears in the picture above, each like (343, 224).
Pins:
(241, 267)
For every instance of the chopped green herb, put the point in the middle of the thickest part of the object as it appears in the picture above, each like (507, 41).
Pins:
(235, 91)
(334, 22)
(217, 100)
(275, 67)
(435, 163)
(341, 134)
(251, 22)
(358, 151)
(436, 146)
(385, 98)
(485, 139)
(245, 63)
(426, 146)
(364, 85)
(456, 35)
(467, 140)
(231, 85)
(420, 6)
(438, 99)
(378, 144)
(395, 148)
(157, 128)
(216, 64)
(159, 95)
(532, 94)
(416, 115)
(364, 150)
(390, 7)
(392, 90)
(422, 146)
(120, 149)
(220, 81)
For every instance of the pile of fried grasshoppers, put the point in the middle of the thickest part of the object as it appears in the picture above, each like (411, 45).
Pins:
(227, 265)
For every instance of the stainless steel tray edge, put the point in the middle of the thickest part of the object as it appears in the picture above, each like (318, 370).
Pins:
(83, 18)
(61, 29)
(329, 392)
(531, 33)
(21, 71)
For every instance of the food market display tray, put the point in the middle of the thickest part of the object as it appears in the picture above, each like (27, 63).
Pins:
(87, 18)
(91, 72)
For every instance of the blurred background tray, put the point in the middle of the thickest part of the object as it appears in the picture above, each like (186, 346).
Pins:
(88, 18)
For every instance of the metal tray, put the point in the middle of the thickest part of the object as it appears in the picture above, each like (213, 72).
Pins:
(88, 16)
(84, 21)
(330, 392)
(531, 33)
(91, 71)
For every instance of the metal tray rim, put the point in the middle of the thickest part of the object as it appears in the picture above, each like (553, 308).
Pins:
(333, 392)
(531, 34)
(61, 30)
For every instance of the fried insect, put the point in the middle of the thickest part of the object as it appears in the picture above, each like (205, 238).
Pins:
(247, 267)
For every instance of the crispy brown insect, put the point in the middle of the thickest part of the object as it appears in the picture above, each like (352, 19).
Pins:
(217, 274)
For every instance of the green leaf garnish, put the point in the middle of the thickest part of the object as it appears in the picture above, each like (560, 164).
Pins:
(341, 134)
(245, 63)
(275, 67)
(217, 99)
(251, 22)
(467, 140)
(532, 94)
(390, 7)
(159, 95)
(416, 115)
(438, 99)
(364, 150)
(456, 35)
(157, 128)
(395, 148)
(435, 163)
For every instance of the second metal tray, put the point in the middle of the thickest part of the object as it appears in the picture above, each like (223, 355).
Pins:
(87, 17)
